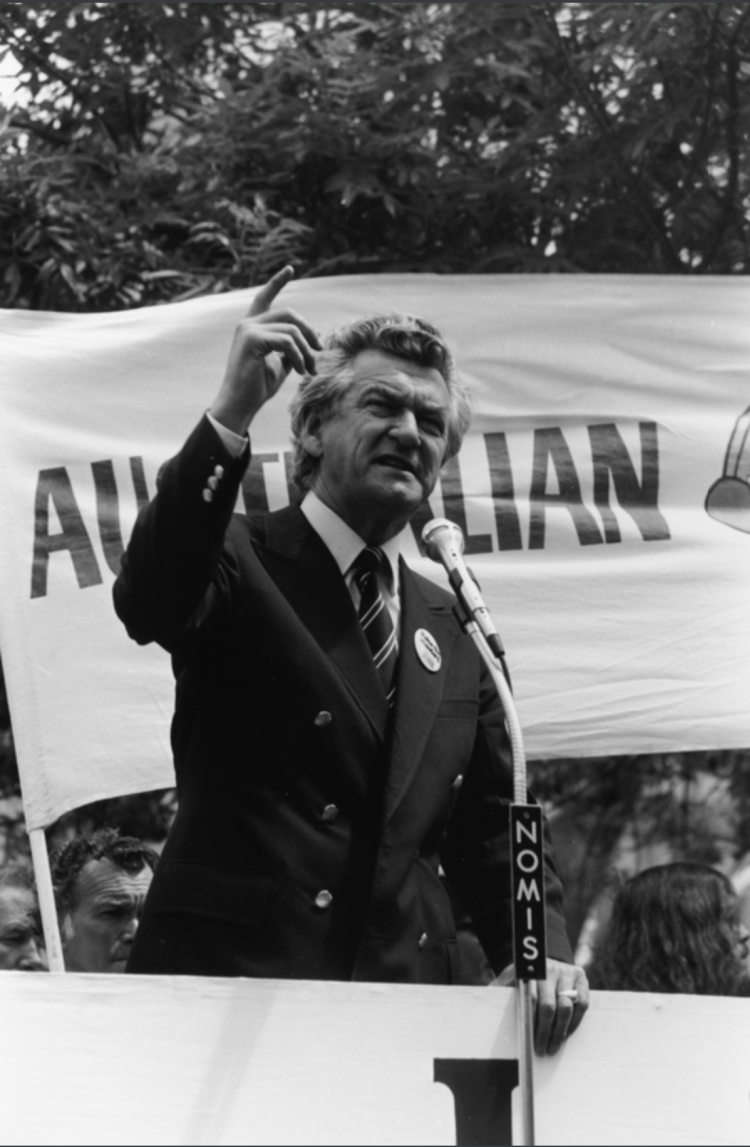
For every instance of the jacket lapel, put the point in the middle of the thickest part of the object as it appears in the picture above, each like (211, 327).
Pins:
(302, 567)
(419, 690)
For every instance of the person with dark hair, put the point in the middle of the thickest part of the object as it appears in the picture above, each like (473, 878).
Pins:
(21, 946)
(336, 736)
(100, 884)
(674, 928)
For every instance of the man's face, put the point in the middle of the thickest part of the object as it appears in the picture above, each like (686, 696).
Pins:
(98, 931)
(19, 932)
(382, 448)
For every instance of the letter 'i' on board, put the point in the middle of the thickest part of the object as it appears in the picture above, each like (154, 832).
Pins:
(482, 1096)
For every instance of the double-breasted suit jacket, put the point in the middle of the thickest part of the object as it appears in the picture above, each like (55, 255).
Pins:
(311, 824)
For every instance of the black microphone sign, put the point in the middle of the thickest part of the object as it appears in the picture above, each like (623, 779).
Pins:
(527, 871)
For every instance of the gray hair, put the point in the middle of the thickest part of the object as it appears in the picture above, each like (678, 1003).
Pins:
(401, 335)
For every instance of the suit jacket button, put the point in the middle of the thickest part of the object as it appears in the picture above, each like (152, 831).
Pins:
(218, 471)
(330, 814)
(324, 899)
(422, 940)
(322, 719)
(458, 782)
(208, 495)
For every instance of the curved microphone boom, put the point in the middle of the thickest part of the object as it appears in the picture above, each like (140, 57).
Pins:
(444, 542)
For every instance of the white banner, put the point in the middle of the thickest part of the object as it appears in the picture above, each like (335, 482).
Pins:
(604, 492)
(181, 1060)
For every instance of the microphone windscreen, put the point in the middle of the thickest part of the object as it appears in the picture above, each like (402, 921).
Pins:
(440, 536)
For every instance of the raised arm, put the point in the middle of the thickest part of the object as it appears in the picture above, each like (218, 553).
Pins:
(175, 584)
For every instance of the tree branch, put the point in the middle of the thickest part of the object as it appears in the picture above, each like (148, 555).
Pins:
(30, 55)
(590, 98)
(729, 206)
(702, 142)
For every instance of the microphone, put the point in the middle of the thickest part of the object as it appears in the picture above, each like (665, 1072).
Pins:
(444, 542)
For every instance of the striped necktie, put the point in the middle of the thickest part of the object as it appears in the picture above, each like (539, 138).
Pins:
(375, 617)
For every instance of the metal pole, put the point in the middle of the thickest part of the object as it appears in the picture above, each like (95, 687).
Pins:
(525, 1005)
(524, 998)
(47, 907)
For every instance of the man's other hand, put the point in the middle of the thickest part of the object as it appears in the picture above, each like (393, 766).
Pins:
(560, 1003)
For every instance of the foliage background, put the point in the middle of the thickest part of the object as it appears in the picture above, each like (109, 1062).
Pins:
(154, 152)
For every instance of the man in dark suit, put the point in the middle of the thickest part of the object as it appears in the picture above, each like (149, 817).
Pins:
(336, 736)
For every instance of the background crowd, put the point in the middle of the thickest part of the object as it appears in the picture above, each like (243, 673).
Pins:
(672, 928)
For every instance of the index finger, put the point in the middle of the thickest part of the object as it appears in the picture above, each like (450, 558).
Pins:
(268, 292)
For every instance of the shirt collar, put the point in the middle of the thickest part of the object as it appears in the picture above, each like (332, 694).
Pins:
(343, 542)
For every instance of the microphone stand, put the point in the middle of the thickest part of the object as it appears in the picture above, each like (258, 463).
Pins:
(524, 1009)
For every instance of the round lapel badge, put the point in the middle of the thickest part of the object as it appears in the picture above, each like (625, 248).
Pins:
(428, 650)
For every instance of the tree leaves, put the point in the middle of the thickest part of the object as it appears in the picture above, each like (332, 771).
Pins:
(451, 137)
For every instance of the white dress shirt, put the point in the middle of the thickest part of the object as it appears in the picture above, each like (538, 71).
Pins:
(346, 546)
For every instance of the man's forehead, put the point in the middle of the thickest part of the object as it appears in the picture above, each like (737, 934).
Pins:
(102, 879)
(373, 367)
(15, 904)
